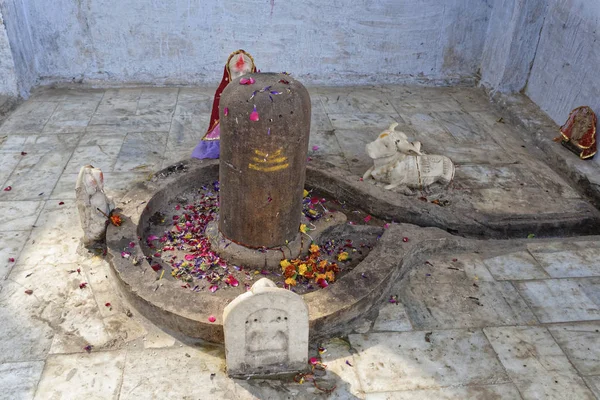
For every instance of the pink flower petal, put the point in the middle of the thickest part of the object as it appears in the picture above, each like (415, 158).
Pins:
(11, 260)
(125, 254)
(156, 267)
(230, 280)
(212, 318)
(189, 257)
(315, 148)
(367, 218)
(152, 237)
(225, 111)
(8, 188)
(247, 81)
(131, 245)
(313, 361)
(213, 288)
(254, 115)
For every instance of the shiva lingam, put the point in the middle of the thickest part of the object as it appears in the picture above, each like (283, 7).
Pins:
(265, 126)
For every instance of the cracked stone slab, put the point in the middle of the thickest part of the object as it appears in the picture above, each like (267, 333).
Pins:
(411, 360)
(536, 364)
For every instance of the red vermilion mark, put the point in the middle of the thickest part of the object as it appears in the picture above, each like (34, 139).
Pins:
(240, 62)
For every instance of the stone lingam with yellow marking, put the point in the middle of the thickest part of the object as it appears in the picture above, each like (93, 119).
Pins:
(265, 127)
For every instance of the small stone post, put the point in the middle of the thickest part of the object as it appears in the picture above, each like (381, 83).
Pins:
(266, 332)
(265, 126)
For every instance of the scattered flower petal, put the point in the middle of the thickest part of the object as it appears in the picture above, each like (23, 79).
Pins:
(60, 203)
(386, 225)
(11, 259)
(125, 254)
(343, 256)
(313, 361)
(107, 305)
(152, 238)
(88, 348)
(315, 148)
(367, 218)
(212, 318)
(213, 288)
(116, 220)
(131, 245)
(247, 81)
(29, 292)
(8, 188)
(189, 257)
(23, 153)
(82, 285)
(393, 299)
(231, 281)
(254, 115)
(156, 267)
(226, 111)
(405, 239)
(348, 363)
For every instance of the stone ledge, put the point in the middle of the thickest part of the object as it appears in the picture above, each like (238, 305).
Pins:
(521, 110)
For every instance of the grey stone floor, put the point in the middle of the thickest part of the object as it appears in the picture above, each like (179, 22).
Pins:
(515, 320)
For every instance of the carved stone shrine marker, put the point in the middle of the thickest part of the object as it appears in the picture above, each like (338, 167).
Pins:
(266, 332)
(265, 125)
(89, 192)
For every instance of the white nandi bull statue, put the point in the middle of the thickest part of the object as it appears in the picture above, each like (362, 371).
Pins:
(398, 162)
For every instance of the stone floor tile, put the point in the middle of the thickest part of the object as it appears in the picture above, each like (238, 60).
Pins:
(472, 99)
(103, 157)
(117, 184)
(392, 317)
(8, 162)
(571, 264)
(163, 367)
(141, 152)
(441, 104)
(186, 132)
(486, 392)
(559, 300)
(408, 361)
(81, 323)
(458, 269)
(320, 122)
(374, 123)
(172, 157)
(522, 201)
(593, 383)
(12, 143)
(322, 143)
(465, 305)
(19, 380)
(478, 153)
(28, 321)
(65, 187)
(550, 247)
(157, 101)
(536, 364)
(195, 100)
(102, 139)
(48, 143)
(97, 375)
(56, 237)
(480, 176)
(463, 126)
(428, 129)
(19, 215)
(515, 266)
(26, 186)
(11, 244)
(29, 117)
(48, 93)
(340, 363)
(342, 101)
(581, 344)
(71, 116)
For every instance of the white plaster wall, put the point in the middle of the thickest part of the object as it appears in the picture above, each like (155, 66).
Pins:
(8, 75)
(333, 42)
(16, 24)
(566, 70)
(512, 39)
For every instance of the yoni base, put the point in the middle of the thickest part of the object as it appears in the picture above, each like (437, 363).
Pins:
(270, 258)
(274, 372)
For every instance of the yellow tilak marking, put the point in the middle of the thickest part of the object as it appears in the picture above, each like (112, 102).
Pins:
(268, 169)
(261, 154)
(269, 160)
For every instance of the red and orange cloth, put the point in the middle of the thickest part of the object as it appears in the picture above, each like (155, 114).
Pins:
(578, 134)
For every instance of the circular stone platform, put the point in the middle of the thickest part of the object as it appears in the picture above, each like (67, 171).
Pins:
(332, 309)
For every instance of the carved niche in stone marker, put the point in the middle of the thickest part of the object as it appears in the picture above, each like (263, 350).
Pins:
(399, 162)
(266, 332)
(90, 196)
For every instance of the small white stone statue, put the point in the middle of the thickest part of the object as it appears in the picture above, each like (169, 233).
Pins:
(266, 332)
(399, 162)
(89, 192)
